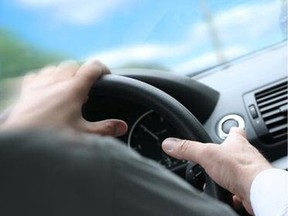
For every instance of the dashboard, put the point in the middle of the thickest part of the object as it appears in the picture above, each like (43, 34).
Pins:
(250, 92)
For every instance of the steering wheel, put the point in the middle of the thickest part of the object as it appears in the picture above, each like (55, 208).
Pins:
(174, 112)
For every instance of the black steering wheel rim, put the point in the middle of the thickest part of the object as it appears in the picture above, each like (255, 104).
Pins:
(157, 100)
(174, 112)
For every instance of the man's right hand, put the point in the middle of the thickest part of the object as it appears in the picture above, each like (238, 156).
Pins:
(233, 164)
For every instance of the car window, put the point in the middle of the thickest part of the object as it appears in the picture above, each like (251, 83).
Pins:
(183, 36)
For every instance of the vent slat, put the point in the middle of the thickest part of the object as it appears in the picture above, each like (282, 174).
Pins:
(278, 128)
(273, 106)
(271, 114)
(281, 92)
(281, 110)
(282, 136)
(273, 100)
(272, 90)
(272, 103)
(275, 120)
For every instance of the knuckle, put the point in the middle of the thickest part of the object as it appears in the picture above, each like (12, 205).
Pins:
(102, 68)
(96, 62)
(208, 152)
(183, 148)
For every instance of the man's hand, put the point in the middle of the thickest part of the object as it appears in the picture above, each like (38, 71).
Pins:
(233, 165)
(54, 96)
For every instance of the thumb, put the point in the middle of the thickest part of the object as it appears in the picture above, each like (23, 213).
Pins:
(185, 149)
(109, 127)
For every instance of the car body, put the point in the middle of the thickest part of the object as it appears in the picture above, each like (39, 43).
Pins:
(217, 80)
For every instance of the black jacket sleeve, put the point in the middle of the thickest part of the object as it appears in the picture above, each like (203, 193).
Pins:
(59, 173)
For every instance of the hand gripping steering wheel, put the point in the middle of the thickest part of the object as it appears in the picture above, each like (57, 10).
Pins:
(174, 112)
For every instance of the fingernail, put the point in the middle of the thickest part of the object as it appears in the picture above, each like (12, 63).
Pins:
(120, 129)
(170, 144)
(117, 131)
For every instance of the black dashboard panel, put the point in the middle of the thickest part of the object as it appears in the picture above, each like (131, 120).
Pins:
(200, 99)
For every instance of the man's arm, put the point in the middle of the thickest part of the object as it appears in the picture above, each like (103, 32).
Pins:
(235, 165)
(269, 193)
(54, 173)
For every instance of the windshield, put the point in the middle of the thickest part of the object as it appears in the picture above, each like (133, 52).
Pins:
(183, 36)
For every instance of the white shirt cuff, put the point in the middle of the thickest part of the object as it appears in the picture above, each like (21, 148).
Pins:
(269, 193)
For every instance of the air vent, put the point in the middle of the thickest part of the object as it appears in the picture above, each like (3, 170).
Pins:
(272, 104)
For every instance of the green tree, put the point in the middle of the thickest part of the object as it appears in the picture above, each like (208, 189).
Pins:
(17, 57)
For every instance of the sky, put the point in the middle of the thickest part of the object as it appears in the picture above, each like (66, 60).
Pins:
(171, 33)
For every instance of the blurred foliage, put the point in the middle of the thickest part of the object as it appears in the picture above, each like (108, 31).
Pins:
(18, 57)
(146, 65)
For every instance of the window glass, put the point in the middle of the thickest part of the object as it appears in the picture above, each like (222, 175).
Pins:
(184, 36)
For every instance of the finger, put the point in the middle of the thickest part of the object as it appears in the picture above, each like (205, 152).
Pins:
(48, 70)
(109, 127)
(237, 203)
(46, 75)
(248, 207)
(28, 78)
(188, 150)
(88, 73)
(66, 70)
(236, 131)
(235, 136)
